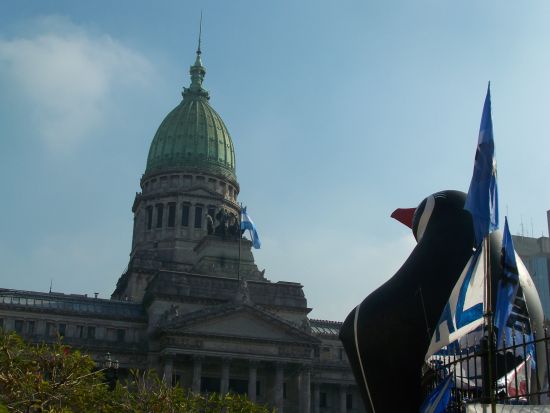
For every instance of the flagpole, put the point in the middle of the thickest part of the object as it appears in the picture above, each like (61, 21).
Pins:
(489, 322)
(240, 237)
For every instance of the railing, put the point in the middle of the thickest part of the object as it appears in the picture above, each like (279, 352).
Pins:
(68, 303)
(520, 374)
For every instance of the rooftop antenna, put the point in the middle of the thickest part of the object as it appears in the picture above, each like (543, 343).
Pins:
(51, 283)
(522, 228)
(532, 231)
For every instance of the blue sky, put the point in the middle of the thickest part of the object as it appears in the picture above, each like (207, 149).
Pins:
(340, 112)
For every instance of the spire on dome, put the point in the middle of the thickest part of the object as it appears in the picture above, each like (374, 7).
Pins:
(197, 72)
(200, 35)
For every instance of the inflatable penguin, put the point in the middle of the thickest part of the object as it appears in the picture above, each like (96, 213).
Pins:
(387, 335)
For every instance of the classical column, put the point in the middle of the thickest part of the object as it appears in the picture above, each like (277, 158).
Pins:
(343, 394)
(224, 385)
(167, 373)
(305, 390)
(316, 397)
(279, 380)
(252, 378)
(197, 373)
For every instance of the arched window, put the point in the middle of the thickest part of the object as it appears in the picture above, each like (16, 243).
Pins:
(198, 217)
(149, 217)
(160, 213)
(171, 214)
(185, 215)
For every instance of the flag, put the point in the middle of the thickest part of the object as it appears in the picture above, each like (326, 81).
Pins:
(482, 199)
(438, 400)
(464, 311)
(248, 224)
(508, 283)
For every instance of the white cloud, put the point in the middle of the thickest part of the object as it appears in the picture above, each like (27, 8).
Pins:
(67, 75)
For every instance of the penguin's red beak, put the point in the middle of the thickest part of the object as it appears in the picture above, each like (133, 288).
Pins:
(404, 215)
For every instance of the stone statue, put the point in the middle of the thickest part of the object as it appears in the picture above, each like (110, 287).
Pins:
(223, 218)
(233, 226)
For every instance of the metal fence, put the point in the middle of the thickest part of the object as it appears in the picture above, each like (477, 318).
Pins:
(519, 376)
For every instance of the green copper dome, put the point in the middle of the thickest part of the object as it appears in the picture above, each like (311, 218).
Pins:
(193, 136)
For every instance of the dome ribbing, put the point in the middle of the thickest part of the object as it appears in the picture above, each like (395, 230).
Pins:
(193, 136)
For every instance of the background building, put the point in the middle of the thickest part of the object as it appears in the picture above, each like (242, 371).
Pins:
(535, 253)
(192, 303)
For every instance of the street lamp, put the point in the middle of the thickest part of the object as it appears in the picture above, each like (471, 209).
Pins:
(110, 367)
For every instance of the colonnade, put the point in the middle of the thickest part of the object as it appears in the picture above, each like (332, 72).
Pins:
(277, 374)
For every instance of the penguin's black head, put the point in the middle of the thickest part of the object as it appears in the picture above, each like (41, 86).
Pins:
(438, 212)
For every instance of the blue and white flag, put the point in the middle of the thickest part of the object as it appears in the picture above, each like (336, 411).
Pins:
(508, 283)
(438, 400)
(248, 224)
(482, 199)
(464, 311)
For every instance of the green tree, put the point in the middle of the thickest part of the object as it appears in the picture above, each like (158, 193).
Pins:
(47, 378)
(55, 378)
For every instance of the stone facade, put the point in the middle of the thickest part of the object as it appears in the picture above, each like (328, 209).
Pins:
(192, 303)
(535, 254)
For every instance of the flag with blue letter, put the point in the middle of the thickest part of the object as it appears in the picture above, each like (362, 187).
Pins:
(248, 224)
(508, 283)
(464, 311)
(482, 199)
(438, 400)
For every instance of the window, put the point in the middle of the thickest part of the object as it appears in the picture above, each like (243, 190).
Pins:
(172, 214)
(349, 401)
(198, 217)
(91, 332)
(50, 329)
(30, 327)
(322, 399)
(284, 390)
(238, 386)
(19, 326)
(1, 323)
(210, 385)
(160, 212)
(341, 353)
(61, 329)
(258, 388)
(185, 215)
(79, 332)
(110, 334)
(120, 334)
(149, 217)
(211, 211)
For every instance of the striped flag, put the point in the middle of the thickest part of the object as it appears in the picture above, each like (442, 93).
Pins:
(248, 224)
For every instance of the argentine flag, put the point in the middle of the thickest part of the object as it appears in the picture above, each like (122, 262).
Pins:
(248, 224)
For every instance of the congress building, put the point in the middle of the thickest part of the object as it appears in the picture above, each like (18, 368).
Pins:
(192, 303)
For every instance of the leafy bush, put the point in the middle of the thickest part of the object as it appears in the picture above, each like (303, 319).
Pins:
(55, 378)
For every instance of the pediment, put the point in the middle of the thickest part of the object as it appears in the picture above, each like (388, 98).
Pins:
(244, 321)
